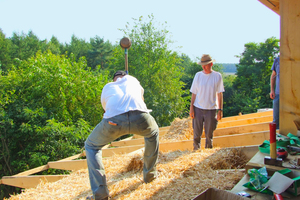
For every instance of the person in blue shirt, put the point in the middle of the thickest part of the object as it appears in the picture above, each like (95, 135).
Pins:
(274, 86)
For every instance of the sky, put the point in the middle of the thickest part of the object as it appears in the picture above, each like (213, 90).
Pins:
(220, 28)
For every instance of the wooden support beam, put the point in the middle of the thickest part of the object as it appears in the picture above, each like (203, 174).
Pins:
(120, 150)
(29, 181)
(33, 171)
(247, 116)
(128, 142)
(68, 164)
(245, 121)
(241, 129)
(289, 66)
(247, 139)
(219, 131)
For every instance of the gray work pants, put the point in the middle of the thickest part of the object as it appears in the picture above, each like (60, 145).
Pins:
(208, 118)
(108, 130)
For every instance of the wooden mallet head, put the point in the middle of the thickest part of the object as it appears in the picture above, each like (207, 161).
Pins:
(125, 43)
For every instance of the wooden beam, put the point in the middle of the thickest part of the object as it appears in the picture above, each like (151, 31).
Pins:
(247, 116)
(128, 142)
(245, 121)
(289, 66)
(241, 129)
(247, 139)
(29, 181)
(68, 164)
(219, 131)
(272, 4)
(120, 150)
(33, 171)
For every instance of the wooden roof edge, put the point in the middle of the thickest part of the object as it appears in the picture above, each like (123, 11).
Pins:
(272, 4)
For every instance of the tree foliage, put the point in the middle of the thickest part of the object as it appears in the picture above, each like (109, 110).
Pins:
(156, 67)
(48, 106)
(252, 83)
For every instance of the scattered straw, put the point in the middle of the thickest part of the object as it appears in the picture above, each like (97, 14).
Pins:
(180, 129)
(182, 175)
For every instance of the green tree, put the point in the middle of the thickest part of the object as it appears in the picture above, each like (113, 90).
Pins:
(156, 67)
(77, 47)
(252, 84)
(100, 53)
(54, 46)
(48, 106)
(5, 48)
(24, 46)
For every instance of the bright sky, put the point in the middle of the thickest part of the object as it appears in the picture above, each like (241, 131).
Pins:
(217, 27)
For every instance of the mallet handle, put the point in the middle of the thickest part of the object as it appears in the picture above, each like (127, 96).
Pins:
(126, 60)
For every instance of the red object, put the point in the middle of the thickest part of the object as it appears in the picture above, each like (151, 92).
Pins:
(278, 197)
(282, 153)
(272, 132)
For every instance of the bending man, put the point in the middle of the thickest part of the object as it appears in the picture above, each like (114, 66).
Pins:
(125, 113)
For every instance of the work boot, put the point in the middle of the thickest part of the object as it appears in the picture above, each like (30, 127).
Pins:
(101, 193)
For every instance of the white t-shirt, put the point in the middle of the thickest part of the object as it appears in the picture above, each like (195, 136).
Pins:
(126, 94)
(206, 87)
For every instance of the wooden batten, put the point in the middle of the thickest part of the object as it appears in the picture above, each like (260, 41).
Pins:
(247, 116)
(29, 181)
(241, 129)
(68, 164)
(241, 122)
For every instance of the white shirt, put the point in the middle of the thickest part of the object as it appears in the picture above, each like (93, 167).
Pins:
(206, 87)
(126, 94)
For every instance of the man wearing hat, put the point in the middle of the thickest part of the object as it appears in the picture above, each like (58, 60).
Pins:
(125, 113)
(207, 102)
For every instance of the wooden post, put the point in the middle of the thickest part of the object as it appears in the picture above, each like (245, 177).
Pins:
(289, 109)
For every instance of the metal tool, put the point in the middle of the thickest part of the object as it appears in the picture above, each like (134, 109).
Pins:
(293, 148)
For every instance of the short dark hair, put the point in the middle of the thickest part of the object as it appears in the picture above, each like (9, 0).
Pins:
(119, 73)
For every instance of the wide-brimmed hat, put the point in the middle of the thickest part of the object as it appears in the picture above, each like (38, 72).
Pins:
(206, 59)
(119, 73)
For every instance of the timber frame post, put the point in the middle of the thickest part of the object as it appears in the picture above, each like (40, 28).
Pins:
(289, 66)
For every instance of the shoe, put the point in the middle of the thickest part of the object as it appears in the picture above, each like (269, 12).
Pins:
(101, 193)
(92, 198)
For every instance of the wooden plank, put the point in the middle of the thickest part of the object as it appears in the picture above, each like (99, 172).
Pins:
(247, 116)
(241, 129)
(33, 171)
(120, 150)
(128, 142)
(245, 121)
(289, 66)
(257, 161)
(68, 164)
(29, 181)
(247, 139)
(218, 132)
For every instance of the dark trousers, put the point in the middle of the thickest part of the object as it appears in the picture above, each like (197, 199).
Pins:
(208, 119)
